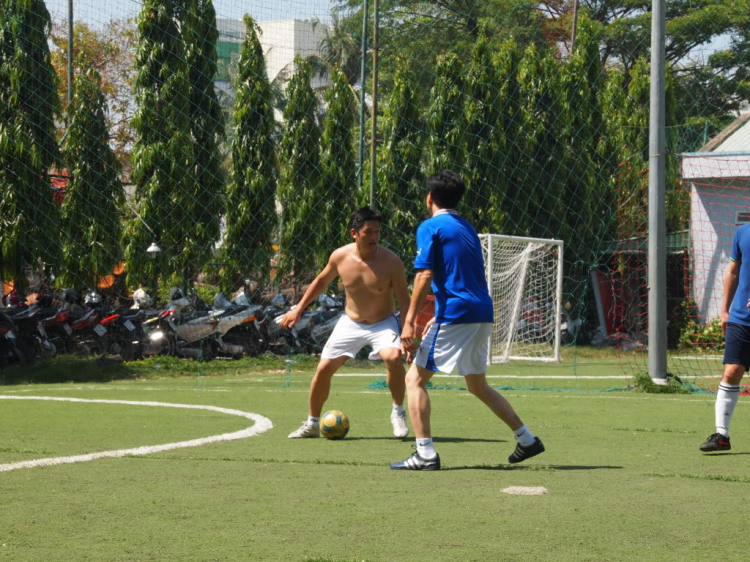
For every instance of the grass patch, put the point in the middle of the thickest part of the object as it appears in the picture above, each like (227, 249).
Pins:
(643, 383)
(712, 477)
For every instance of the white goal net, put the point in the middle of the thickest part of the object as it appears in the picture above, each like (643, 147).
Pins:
(524, 276)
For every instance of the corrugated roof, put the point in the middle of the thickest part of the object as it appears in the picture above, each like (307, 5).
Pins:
(734, 138)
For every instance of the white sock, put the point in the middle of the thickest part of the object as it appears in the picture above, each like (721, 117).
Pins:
(313, 420)
(425, 448)
(524, 436)
(399, 410)
(726, 400)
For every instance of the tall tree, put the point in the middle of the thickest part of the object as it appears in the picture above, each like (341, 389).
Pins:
(445, 116)
(29, 105)
(510, 156)
(205, 198)
(399, 172)
(251, 221)
(539, 82)
(336, 197)
(163, 153)
(90, 221)
(299, 185)
(581, 82)
(483, 140)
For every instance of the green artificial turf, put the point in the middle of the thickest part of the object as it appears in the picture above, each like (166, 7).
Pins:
(625, 478)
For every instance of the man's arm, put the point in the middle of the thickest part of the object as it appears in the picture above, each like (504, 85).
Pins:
(398, 281)
(731, 280)
(422, 284)
(321, 282)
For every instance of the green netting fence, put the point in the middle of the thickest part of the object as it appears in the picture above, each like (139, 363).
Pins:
(238, 136)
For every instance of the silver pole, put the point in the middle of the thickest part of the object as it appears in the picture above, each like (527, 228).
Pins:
(70, 51)
(657, 225)
(361, 171)
(374, 140)
(574, 31)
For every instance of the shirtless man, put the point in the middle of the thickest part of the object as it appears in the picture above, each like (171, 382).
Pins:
(372, 275)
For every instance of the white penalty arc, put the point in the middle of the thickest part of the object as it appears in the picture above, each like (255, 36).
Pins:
(261, 425)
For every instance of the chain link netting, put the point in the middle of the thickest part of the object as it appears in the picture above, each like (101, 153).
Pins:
(222, 145)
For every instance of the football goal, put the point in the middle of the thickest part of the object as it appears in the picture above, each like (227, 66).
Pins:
(524, 276)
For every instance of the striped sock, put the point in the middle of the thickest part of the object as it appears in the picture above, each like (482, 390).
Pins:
(726, 400)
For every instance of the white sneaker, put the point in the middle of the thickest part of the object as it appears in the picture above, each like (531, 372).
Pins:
(400, 429)
(307, 430)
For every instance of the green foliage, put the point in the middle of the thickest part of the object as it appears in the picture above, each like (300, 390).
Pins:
(251, 221)
(204, 200)
(336, 197)
(444, 116)
(401, 194)
(299, 184)
(29, 105)
(702, 338)
(90, 220)
(163, 155)
(483, 138)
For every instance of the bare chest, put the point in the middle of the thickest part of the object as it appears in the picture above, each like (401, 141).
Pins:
(358, 276)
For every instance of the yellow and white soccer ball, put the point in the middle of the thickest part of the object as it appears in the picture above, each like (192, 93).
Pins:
(334, 425)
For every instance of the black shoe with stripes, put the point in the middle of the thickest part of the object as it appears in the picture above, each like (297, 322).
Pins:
(415, 462)
(717, 442)
(522, 453)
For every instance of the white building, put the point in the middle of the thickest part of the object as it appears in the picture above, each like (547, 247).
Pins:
(281, 41)
(719, 179)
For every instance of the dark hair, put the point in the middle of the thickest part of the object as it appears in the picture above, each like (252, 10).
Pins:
(360, 216)
(446, 188)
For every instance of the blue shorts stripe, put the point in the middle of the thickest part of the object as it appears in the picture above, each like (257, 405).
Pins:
(430, 364)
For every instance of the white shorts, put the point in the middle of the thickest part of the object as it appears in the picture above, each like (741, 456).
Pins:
(348, 337)
(455, 346)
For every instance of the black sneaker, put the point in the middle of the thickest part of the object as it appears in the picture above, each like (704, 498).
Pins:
(717, 442)
(522, 453)
(415, 462)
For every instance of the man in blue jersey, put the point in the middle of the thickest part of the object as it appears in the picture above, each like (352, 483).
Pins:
(449, 258)
(735, 322)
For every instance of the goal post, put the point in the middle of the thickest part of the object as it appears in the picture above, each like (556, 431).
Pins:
(524, 277)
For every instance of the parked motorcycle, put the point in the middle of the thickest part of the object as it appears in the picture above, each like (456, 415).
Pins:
(237, 332)
(180, 330)
(12, 350)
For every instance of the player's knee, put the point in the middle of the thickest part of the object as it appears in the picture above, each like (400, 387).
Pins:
(392, 360)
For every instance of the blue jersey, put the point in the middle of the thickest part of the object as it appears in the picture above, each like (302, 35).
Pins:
(450, 247)
(738, 313)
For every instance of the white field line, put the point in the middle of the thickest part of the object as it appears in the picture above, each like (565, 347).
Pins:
(261, 425)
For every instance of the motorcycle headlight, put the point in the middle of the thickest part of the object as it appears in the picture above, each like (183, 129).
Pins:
(156, 335)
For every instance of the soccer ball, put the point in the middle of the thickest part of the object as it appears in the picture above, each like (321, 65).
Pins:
(334, 425)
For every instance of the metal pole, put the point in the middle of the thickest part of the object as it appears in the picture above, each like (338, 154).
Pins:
(657, 224)
(575, 27)
(70, 51)
(373, 140)
(360, 172)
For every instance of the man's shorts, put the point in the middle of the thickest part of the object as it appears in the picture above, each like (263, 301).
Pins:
(464, 347)
(737, 345)
(348, 337)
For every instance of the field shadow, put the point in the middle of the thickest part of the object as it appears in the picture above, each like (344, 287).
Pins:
(724, 454)
(535, 467)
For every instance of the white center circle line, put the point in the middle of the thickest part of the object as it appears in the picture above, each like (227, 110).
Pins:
(261, 425)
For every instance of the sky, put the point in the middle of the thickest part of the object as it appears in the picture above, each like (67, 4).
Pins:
(96, 12)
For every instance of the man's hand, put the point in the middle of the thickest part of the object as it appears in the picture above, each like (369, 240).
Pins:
(725, 319)
(291, 318)
(408, 345)
(427, 325)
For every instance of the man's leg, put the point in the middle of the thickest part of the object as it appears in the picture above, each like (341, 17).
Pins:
(320, 387)
(419, 410)
(528, 444)
(726, 399)
(395, 377)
